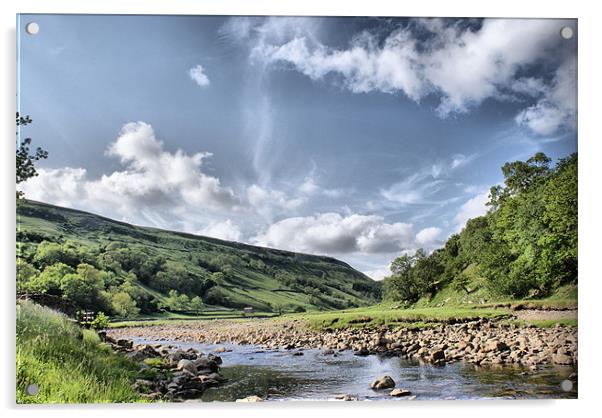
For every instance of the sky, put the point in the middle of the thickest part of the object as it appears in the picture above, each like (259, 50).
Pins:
(359, 138)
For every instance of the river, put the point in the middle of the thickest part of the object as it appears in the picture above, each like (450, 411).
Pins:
(279, 375)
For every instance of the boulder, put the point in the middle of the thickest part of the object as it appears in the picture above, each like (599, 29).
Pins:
(495, 345)
(221, 350)
(383, 382)
(400, 392)
(438, 355)
(560, 358)
(187, 365)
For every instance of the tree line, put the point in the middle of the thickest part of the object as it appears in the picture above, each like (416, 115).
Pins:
(524, 246)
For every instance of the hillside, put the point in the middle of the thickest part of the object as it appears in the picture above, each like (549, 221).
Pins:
(143, 265)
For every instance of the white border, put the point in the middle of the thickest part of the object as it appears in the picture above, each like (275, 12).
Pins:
(589, 190)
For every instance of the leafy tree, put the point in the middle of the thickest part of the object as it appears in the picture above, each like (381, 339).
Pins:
(49, 280)
(196, 304)
(26, 273)
(85, 288)
(25, 162)
(123, 305)
(177, 302)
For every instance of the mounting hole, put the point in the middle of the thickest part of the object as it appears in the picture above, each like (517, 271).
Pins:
(566, 32)
(32, 389)
(32, 28)
(566, 385)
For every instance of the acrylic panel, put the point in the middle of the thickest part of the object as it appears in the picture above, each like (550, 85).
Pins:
(257, 209)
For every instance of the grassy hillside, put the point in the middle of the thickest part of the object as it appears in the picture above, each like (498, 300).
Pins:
(152, 261)
(68, 365)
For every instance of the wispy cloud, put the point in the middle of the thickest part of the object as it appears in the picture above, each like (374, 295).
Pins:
(198, 75)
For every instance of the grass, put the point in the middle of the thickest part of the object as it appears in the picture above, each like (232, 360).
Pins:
(177, 319)
(263, 287)
(381, 315)
(69, 365)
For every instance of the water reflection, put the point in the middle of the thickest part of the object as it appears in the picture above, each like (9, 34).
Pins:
(282, 375)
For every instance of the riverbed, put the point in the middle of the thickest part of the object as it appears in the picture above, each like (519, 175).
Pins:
(309, 374)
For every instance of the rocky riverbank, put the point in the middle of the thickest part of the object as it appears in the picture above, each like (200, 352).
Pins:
(480, 342)
(168, 373)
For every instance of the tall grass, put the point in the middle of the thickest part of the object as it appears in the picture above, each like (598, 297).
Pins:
(69, 365)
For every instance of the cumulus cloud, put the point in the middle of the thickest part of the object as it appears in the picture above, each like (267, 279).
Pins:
(333, 233)
(197, 74)
(152, 184)
(428, 237)
(462, 64)
(558, 106)
(472, 208)
(378, 274)
(225, 230)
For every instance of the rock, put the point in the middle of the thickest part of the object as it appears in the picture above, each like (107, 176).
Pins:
(221, 350)
(253, 398)
(346, 397)
(298, 353)
(328, 352)
(187, 365)
(562, 359)
(122, 342)
(438, 355)
(400, 392)
(383, 382)
(362, 352)
(495, 345)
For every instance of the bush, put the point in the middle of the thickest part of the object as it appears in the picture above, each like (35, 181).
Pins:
(101, 321)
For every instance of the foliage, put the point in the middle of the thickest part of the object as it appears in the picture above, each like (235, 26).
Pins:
(68, 364)
(101, 321)
(146, 264)
(525, 246)
(25, 162)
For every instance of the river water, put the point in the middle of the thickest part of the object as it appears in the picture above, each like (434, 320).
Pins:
(278, 375)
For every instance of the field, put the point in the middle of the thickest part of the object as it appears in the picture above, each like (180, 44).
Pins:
(68, 364)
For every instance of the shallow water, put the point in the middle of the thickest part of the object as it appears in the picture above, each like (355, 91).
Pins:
(281, 375)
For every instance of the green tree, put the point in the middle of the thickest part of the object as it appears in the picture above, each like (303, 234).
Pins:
(25, 162)
(123, 305)
(85, 288)
(26, 273)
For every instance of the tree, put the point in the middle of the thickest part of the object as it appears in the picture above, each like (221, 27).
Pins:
(123, 305)
(26, 273)
(25, 162)
(196, 304)
(85, 288)
(49, 280)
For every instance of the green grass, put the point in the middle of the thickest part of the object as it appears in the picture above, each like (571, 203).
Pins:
(381, 315)
(178, 319)
(247, 285)
(69, 365)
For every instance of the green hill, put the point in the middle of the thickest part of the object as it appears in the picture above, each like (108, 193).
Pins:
(60, 251)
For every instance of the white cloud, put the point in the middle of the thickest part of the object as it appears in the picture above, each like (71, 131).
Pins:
(378, 274)
(462, 65)
(335, 234)
(428, 237)
(152, 184)
(558, 106)
(225, 230)
(471, 209)
(197, 74)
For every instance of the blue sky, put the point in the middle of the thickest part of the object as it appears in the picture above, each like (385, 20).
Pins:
(360, 138)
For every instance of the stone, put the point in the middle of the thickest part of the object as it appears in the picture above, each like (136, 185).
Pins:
(438, 355)
(328, 352)
(122, 342)
(383, 382)
(221, 350)
(187, 365)
(346, 397)
(495, 345)
(562, 359)
(400, 392)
